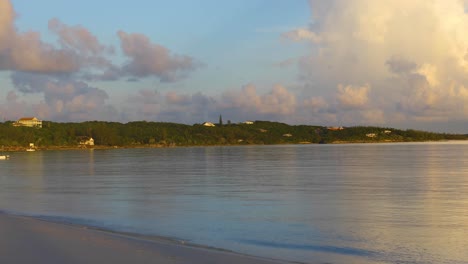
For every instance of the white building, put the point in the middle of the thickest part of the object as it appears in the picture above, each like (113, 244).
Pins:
(208, 124)
(28, 122)
(87, 141)
(335, 128)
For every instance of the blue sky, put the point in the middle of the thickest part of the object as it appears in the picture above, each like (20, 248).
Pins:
(338, 62)
(239, 41)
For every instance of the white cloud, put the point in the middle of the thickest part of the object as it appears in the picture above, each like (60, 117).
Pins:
(64, 99)
(279, 101)
(58, 72)
(350, 97)
(77, 38)
(147, 59)
(412, 53)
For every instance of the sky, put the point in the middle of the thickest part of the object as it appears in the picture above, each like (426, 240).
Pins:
(394, 63)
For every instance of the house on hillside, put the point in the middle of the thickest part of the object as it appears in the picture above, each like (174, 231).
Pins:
(208, 124)
(28, 122)
(248, 122)
(87, 141)
(335, 128)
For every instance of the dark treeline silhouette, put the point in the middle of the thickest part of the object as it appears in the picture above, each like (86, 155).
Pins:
(144, 133)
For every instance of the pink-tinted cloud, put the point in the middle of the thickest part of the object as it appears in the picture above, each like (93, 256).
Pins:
(236, 105)
(150, 59)
(26, 51)
(350, 97)
(171, 106)
(13, 107)
(279, 101)
(64, 99)
(77, 38)
(80, 52)
(411, 53)
(58, 72)
(6, 25)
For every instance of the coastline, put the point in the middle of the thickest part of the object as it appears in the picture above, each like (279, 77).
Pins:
(26, 239)
(103, 147)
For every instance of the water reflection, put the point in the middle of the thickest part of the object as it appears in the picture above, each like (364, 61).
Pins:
(389, 203)
(91, 162)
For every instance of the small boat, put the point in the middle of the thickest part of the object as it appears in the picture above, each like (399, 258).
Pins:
(4, 157)
(31, 147)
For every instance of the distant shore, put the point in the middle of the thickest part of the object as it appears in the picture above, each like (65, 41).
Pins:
(30, 240)
(142, 134)
(80, 147)
(21, 149)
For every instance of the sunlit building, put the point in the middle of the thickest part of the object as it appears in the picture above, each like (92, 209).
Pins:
(28, 122)
(87, 141)
(208, 124)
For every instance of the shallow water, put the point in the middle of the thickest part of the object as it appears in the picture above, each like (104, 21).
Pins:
(360, 203)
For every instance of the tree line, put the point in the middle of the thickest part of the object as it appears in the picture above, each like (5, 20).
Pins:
(144, 133)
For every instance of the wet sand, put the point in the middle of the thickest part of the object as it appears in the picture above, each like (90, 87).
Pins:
(29, 240)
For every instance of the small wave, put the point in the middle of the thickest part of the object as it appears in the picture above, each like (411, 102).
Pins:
(321, 248)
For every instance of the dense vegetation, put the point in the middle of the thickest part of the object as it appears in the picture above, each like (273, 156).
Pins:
(170, 134)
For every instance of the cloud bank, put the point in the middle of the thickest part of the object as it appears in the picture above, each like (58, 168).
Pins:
(26, 51)
(80, 50)
(60, 71)
(64, 99)
(148, 59)
(396, 63)
(409, 58)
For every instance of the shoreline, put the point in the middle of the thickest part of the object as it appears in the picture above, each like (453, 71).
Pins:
(29, 239)
(99, 147)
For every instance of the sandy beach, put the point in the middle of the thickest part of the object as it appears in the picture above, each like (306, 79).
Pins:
(29, 240)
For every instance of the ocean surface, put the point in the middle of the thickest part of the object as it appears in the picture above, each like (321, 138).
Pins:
(356, 203)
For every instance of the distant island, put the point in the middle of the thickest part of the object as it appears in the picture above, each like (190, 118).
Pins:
(99, 134)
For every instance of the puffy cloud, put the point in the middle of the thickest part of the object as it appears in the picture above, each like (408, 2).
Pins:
(412, 53)
(26, 51)
(246, 103)
(64, 99)
(171, 106)
(59, 71)
(79, 52)
(350, 97)
(77, 38)
(6, 25)
(14, 107)
(149, 59)
(279, 101)
(90, 54)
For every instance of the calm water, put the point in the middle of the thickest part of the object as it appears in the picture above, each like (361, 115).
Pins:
(379, 203)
